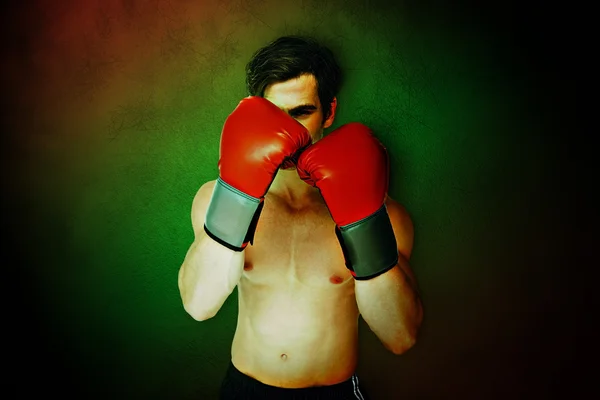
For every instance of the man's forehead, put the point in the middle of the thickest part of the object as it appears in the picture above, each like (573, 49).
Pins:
(294, 92)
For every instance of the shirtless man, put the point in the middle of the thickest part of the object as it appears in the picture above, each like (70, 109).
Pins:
(302, 225)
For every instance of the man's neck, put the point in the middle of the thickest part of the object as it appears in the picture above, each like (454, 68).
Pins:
(288, 187)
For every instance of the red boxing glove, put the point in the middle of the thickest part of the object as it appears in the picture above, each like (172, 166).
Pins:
(256, 140)
(350, 168)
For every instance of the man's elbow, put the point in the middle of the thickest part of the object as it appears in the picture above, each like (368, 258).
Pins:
(197, 306)
(200, 304)
(402, 345)
(199, 314)
(406, 338)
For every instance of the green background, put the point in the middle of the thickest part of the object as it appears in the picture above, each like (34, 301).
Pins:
(113, 113)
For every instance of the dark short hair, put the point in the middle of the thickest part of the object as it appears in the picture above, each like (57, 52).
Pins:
(289, 57)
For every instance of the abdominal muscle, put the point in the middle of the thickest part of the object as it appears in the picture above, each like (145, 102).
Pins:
(297, 337)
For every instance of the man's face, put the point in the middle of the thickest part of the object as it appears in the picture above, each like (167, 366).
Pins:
(299, 98)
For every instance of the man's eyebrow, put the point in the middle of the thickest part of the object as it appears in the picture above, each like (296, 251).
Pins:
(302, 107)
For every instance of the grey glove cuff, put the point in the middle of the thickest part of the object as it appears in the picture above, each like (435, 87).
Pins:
(369, 245)
(232, 216)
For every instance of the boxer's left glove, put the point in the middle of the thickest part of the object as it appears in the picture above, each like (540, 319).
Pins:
(350, 168)
(256, 139)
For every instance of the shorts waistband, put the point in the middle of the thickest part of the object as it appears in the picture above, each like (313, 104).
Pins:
(249, 388)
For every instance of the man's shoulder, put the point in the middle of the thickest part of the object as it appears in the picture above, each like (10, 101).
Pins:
(204, 194)
(397, 211)
(208, 185)
(200, 204)
(402, 224)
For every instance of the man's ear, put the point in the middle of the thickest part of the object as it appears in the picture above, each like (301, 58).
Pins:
(331, 117)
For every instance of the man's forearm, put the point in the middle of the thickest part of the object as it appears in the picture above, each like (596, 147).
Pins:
(207, 277)
(391, 306)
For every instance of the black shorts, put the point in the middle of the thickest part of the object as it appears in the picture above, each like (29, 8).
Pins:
(237, 385)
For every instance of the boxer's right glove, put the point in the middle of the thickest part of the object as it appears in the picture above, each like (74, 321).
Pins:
(256, 139)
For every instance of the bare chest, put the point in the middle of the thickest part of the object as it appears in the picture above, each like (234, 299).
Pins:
(295, 245)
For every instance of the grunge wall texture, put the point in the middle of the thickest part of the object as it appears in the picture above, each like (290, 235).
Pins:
(113, 111)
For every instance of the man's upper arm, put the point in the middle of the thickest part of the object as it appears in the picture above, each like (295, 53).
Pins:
(200, 205)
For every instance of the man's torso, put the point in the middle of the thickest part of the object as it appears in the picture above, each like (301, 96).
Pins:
(297, 322)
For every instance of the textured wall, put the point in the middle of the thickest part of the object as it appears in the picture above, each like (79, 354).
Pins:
(114, 110)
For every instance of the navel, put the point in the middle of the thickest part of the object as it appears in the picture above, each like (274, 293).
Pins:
(284, 357)
(335, 279)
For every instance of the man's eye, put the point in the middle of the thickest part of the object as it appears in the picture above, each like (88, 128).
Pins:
(299, 114)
